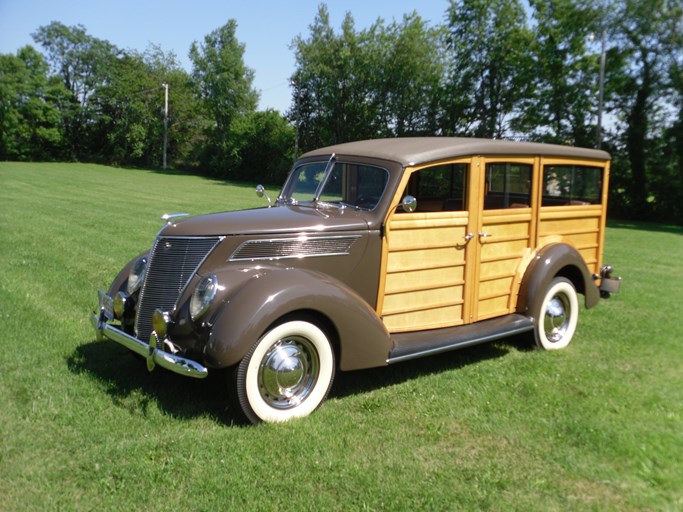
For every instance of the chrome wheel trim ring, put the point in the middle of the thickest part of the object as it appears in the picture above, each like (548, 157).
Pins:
(288, 372)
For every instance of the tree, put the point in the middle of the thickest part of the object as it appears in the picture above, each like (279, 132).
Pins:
(30, 123)
(224, 86)
(127, 110)
(562, 105)
(331, 84)
(83, 63)
(648, 33)
(488, 43)
(263, 147)
(380, 82)
(411, 68)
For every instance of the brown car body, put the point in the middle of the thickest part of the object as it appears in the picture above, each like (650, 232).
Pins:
(379, 257)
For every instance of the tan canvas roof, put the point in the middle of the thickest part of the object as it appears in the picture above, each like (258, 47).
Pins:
(418, 150)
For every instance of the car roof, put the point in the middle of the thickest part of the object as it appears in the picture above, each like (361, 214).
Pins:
(418, 150)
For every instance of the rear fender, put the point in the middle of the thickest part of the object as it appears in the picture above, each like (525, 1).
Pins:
(273, 293)
(552, 261)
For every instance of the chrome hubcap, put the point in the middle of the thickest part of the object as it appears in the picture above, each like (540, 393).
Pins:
(288, 372)
(556, 318)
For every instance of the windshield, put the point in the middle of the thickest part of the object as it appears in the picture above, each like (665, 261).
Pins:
(348, 184)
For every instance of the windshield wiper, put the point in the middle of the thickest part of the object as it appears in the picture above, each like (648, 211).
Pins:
(326, 176)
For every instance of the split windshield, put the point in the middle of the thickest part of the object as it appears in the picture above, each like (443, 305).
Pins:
(344, 185)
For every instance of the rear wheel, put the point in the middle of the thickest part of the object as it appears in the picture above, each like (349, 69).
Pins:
(556, 319)
(286, 374)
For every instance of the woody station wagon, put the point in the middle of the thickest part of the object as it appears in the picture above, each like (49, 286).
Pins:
(374, 252)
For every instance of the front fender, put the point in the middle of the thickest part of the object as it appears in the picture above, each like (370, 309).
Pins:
(248, 311)
(551, 261)
(121, 280)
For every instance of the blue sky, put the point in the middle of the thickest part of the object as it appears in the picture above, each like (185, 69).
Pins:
(266, 27)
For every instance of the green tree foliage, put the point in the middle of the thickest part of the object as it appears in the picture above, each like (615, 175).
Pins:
(330, 97)
(494, 68)
(648, 34)
(560, 105)
(30, 121)
(83, 63)
(489, 76)
(408, 83)
(263, 146)
(224, 86)
(127, 109)
(379, 82)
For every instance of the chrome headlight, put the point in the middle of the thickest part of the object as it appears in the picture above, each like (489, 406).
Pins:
(137, 275)
(203, 295)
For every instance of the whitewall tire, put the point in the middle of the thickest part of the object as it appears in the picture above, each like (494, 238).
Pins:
(556, 319)
(286, 374)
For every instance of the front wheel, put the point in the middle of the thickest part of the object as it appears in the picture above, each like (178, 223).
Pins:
(555, 321)
(286, 374)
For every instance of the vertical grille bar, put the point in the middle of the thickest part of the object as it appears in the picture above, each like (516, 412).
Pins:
(173, 261)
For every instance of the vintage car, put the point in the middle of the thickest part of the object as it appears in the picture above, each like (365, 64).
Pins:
(374, 252)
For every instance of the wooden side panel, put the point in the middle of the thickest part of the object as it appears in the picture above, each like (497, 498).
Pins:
(500, 256)
(425, 278)
(579, 226)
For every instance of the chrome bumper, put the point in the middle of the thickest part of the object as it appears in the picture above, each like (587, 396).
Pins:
(150, 351)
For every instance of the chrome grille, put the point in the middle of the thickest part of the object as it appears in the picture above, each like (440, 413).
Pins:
(301, 247)
(173, 261)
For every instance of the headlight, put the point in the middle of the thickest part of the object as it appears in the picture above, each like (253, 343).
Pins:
(137, 275)
(203, 295)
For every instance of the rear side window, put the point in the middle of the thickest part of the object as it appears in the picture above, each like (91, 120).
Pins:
(567, 185)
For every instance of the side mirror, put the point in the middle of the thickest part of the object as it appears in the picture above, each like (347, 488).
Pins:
(261, 192)
(409, 204)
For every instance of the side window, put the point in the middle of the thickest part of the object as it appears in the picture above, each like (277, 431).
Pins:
(565, 185)
(370, 186)
(440, 188)
(508, 185)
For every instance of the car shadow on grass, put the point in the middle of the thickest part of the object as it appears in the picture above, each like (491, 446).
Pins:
(363, 381)
(124, 376)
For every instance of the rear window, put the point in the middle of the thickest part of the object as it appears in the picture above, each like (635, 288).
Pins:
(571, 185)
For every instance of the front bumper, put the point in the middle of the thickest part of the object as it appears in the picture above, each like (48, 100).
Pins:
(154, 355)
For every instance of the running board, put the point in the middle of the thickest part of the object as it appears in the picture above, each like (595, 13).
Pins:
(426, 343)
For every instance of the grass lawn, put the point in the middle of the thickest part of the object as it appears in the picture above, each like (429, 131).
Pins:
(84, 426)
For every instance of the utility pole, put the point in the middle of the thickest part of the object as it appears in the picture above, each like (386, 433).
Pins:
(165, 86)
(601, 90)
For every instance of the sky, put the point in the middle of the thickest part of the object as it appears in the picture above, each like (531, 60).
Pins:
(266, 27)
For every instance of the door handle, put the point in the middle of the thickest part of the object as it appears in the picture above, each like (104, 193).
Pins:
(468, 237)
(484, 235)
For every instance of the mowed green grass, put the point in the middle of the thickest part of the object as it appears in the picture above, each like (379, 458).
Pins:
(84, 426)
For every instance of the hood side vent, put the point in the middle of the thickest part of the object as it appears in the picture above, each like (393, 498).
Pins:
(300, 247)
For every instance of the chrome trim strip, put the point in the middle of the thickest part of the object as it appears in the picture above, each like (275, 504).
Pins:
(299, 247)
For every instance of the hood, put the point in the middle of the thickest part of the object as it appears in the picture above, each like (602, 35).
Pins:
(276, 220)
